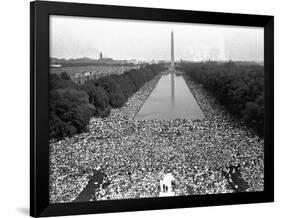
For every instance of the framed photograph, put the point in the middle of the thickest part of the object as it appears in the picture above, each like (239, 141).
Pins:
(143, 109)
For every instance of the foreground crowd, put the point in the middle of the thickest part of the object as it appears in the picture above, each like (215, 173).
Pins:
(134, 155)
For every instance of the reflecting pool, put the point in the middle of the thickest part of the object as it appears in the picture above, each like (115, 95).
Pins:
(170, 99)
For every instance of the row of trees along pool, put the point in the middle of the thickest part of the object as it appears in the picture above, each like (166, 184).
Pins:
(240, 88)
(71, 105)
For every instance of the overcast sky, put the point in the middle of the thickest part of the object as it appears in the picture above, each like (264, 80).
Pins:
(76, 37)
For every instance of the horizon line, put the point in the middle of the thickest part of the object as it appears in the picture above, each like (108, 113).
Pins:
(181, 59)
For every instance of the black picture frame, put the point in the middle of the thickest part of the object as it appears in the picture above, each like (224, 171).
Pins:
(39, 140)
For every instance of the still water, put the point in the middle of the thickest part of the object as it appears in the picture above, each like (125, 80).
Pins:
(170, 99)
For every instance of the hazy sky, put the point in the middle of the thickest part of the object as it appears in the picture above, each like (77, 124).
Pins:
(74, 37)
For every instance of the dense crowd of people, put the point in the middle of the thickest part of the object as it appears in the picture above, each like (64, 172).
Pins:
(134, 155)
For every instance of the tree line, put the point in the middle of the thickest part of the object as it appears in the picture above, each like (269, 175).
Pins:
(71, 105)
(240, 88)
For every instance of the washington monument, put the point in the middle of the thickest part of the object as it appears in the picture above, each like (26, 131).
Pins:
(172, 68)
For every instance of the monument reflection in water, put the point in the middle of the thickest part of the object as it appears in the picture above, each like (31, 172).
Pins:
(171, 98)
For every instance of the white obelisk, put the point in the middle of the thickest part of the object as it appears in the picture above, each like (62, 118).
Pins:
(172, 68)
(172, 51)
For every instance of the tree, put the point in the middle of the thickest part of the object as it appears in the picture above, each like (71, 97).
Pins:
(240, 88)
(101, 101)
(115, 94)
(64, 76)
(61, 82)
(125, 84)
(98, 97)
(69, 112)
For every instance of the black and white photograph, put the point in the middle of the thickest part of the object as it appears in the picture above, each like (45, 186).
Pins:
(151, 109)
(140, 108)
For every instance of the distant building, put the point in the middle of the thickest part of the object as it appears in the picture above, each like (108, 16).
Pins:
(55, 65)
(105, 59)
(99, 72)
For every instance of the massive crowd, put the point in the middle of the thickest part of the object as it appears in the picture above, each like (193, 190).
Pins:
(134, 155)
